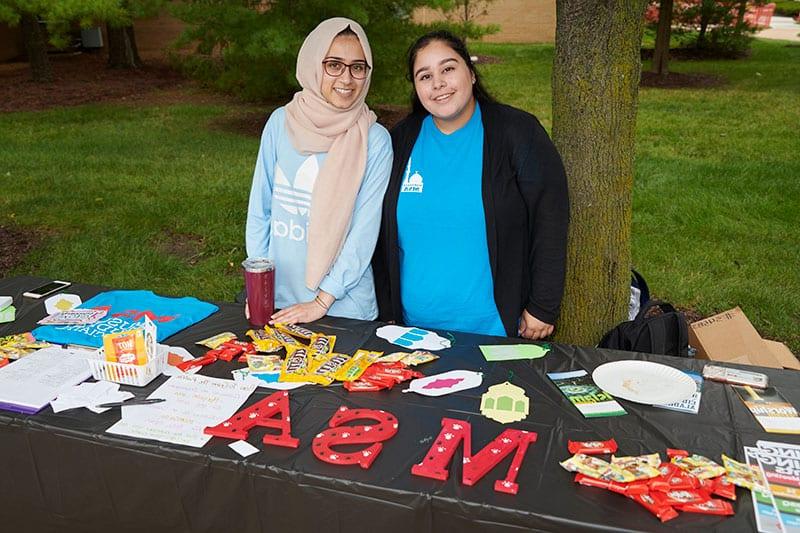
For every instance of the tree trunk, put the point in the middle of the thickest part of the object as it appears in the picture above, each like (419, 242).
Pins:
(596, 74)
(741, 12)
(661, 55)
(36, 48)
(122, 50)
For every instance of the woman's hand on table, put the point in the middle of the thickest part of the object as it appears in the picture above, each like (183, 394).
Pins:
(532, 328)
(305, 312)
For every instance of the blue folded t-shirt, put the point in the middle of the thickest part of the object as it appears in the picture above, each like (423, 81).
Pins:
(125, 310)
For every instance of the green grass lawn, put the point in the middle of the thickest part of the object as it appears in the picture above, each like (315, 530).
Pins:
(716, 195)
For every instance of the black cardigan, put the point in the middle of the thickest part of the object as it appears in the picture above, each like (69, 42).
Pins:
(525, 201)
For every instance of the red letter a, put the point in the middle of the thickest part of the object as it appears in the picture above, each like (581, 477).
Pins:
(435, 464)
(260, 414)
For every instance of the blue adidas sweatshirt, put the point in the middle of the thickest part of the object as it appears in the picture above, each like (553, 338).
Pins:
(277, 220)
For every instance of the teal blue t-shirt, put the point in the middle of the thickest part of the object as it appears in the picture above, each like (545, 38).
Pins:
(445, 277)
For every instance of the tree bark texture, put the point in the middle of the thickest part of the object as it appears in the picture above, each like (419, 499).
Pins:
(122, 50)
(596, 74)
(663, 34)
(36, 48)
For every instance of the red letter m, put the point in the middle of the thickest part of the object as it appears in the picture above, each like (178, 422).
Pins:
(435, 464)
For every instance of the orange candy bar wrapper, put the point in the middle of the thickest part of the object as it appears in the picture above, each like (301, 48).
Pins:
(662, 511)
(321, 345)
(294, 329)
(296, 365)
(712, 506)
(125, 347)
(592, 447)
(357, 365)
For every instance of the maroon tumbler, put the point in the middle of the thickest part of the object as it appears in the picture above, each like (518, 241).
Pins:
(259, 281)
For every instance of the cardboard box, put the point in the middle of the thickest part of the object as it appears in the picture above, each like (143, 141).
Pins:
(731, 338)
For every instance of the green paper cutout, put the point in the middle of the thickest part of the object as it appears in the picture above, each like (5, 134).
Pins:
(510, 352)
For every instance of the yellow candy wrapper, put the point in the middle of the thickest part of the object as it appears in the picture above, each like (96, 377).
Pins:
(652, 459)
(419, 357)
(596, 468)
(742, 475)
(282, 337)
(699, 466)
(294, 329)
(393, 357)
(217, 340)
(327, 367)
(263, 363)
(264, 342)
(357, 365)
(296, 365)
(19, 345)
(321, 345)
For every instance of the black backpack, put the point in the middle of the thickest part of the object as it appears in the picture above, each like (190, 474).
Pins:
(665, 333)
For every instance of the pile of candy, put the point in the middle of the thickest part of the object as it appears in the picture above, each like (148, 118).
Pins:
(20, 345)
(688, 482)
(310, 358)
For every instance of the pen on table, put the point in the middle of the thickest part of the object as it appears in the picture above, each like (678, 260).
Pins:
(131, 402)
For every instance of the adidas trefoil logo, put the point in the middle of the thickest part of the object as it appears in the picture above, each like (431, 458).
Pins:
(297, 199)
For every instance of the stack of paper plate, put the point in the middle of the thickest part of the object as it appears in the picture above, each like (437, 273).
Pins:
(644, 382)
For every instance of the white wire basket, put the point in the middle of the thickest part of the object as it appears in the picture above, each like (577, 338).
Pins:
(138, 375)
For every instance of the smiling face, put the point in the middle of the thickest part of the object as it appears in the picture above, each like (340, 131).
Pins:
(443, 83)
(342, 91)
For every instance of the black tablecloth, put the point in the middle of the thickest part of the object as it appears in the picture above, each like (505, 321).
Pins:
(62, 472)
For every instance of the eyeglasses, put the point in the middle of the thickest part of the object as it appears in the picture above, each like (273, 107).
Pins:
(336, 68)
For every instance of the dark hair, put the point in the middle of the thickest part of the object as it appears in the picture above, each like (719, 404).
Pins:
(347, 31)
(479, 92)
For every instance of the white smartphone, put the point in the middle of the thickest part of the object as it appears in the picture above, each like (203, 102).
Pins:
(47, 288)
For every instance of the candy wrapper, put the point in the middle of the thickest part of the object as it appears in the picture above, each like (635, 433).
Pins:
(723, 487)
(682, 496)
(284, 338)
(742, 475)
(321, 345)
(672, 478)
(264, 342)
(627, 489)
(357, 365)
(396, 372)
(652, 459)
(296, 365)
(592, 447)
(295, 330)
(711, 506)
(419, 357)
(698, 466)
(263, 363)
(217, 340)
(326, 368)
(393, 357)
(596, 468)
(372, 385)
(662, 511)
(20, 345)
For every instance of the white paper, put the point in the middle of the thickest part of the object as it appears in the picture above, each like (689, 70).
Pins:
(445, 383)
(413, 338)
(89, 395)
(33, 381)
(62, 302)
(192, 403)
(243, 448)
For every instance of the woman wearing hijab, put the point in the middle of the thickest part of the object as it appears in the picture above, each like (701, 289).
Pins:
(322, 169)
(474, 229)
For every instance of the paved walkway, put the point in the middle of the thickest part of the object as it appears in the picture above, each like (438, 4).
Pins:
(783, 28)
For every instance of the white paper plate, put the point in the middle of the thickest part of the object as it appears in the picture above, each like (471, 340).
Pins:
(644, 382)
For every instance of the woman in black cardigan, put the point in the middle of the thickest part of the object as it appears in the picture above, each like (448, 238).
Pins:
(490, 257)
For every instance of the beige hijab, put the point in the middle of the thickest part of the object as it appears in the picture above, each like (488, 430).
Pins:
(315, 126)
